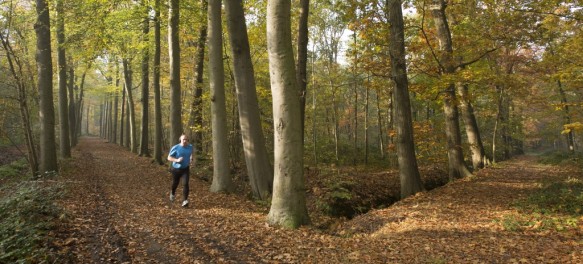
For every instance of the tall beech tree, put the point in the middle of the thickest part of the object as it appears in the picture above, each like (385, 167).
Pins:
(302, 53)
(479, 158)
(222, 181)
(42, 27)
(288, 203)
(408, 171)
(174, 56)
(144, 135)
(457, 165)
(131, 137)
(156, 87)
(195, 117)
(64, 136)
(71, 107)
(258, 166)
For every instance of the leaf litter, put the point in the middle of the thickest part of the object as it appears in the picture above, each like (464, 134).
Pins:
(119, 212)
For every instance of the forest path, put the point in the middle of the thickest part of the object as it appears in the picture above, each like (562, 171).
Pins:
(120, 213)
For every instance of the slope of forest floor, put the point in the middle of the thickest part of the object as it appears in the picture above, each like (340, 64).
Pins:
(118, 212)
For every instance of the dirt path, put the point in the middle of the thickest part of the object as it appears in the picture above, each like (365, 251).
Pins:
(120, 213)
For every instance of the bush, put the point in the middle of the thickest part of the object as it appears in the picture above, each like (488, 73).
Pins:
(13, 169)
(27, 214)
(337, 199)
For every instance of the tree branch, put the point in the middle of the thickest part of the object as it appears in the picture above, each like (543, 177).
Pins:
(464, 64)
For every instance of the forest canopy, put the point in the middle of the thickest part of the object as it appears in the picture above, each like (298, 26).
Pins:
(486, 79)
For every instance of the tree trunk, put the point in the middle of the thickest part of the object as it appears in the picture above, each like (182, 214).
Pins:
(123, 139)
(174, 55)
(79, 104)
(101, 115)
(222, 181)
(130, 103)
(48, 153)
(258, 165)
(72, 113)
(64, 136)
(302, 53)
(156, 86)
(355, 82)
(391, 124)
(288, 204)
(457, 166)
(195, 118)
(366, 125)
(472, 131)
(381, 129)
(115, 105)
(144, 148)
(504, 130)
(127, 137)
(335, 125)
(566, 117)
(109, 117)
(314, 134)
(499, 118)
(408, 171)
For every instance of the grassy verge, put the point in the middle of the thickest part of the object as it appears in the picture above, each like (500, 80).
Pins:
(562, 158)
(557, 205)
(28, 213)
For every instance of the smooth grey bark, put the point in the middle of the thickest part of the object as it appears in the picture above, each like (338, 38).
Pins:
(42, 27)
(302, 53)
(566, 117)
(64, 137)
(355, 83)
(288, 203)
(72, 113)
(145, 133)
(123, 138)
(156, 87)
(258, 166)
(457, 166)
(501, 125)
(80, 101)
(314, 109)
(101, 114)
(115, 104)
(195, 117)
(408, 170)
(391, 124)
(174, 55)
(115, 116)
(131, 124)
(366, 104)
(109, 116)
(381, 127)
(479, 159)
(222, 181)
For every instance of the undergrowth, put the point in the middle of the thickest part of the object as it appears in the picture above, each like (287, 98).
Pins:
(13, 170)
(27, 214)
(562, 158)
(556, 206)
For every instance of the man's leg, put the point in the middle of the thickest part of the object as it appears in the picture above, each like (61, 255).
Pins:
(186, 179)
(175, 182)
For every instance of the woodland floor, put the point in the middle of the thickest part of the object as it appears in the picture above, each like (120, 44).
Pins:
(119, 212)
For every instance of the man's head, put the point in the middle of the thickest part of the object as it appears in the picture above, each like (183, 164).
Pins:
(183, 140)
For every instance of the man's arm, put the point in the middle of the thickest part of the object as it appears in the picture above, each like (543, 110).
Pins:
(172, 158)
